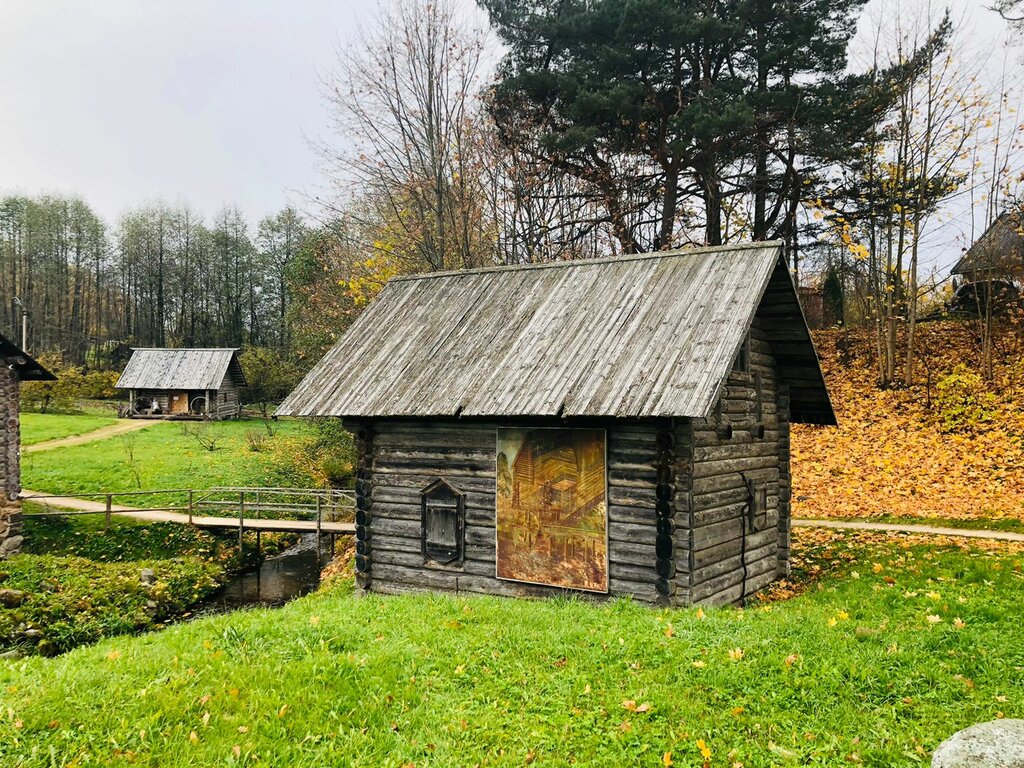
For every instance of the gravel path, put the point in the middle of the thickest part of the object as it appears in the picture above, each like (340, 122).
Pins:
(128, 425)
(933, 530)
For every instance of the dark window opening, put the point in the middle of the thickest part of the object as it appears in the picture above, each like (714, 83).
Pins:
(443, 523)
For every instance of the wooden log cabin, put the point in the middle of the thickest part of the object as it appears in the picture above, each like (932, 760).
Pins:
(611, 427)
(18, 367)
(182, 384)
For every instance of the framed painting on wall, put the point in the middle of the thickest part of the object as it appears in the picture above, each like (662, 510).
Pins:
(552, 507)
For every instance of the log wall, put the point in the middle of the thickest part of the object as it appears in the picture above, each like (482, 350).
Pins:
(10, 468)
(225, 403)
(397, 459)
(745, 439)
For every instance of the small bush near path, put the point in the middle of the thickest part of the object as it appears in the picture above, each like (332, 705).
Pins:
(889, 647)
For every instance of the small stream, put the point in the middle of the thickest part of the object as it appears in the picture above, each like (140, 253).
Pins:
(293, 573)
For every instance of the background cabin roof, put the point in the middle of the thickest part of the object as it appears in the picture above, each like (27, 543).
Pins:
(160, 368)
(999, 249)
(28, 369)
(634, 336)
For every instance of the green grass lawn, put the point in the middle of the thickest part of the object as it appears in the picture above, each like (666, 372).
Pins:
(41, 427)
(165, 456)
(893, 648)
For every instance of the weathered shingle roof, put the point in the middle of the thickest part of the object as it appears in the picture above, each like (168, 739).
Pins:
(1000, 248)
(635, 336)
(151, 368)
(27, 368)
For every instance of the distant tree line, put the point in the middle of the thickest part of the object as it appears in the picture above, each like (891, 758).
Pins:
(161, 277)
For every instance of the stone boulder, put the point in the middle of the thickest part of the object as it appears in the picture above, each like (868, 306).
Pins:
(12, 598)
(996, 744)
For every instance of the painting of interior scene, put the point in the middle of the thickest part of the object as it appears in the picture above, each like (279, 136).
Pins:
(552, 507)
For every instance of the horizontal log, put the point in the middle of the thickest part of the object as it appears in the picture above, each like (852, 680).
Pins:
(635, 573)
(707, 536)
(705, 469)
(732, 594)
(634, 515)
(712, 587)
(411, 495)
(732, 557)
(631, 533)
(735, 451)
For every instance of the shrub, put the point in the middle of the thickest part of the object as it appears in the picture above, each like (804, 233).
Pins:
(207, 436)
(963, 401)
(72, 385)
(256, 440)
(269, 375)
(325, 458)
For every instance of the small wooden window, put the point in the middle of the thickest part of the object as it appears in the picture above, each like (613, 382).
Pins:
(757, 505)
(443, 523)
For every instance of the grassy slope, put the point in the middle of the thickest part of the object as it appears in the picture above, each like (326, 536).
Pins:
(853, 670)
(164, 456)
(41, 427)
(889, 457)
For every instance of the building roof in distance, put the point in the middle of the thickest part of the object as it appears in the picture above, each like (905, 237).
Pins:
(162, 368)
(28, 369)
(999, 250)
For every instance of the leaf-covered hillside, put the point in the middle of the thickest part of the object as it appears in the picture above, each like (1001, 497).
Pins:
(950, 446)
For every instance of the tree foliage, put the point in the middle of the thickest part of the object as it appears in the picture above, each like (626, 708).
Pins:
(270, 377)
(687, 120)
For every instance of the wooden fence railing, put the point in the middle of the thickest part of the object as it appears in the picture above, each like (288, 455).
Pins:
(309, 509)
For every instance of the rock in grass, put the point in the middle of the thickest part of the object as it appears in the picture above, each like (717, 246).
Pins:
(997, 744)
(12, 598)
(148, 577)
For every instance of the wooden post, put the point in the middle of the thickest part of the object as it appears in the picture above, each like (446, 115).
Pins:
(319, 518)
(190, 506)
(241, 523)
(106, 513)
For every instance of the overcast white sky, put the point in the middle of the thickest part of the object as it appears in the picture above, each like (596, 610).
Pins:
(123, 101)
(207, 101)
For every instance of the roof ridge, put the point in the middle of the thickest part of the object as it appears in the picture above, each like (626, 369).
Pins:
(186, 349)
(648, 256)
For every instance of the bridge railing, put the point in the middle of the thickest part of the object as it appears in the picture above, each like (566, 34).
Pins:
(317, 505)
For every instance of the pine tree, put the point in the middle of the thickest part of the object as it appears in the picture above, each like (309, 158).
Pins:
(688, 119)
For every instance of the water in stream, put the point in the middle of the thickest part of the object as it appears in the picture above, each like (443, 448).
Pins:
(281, 578)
